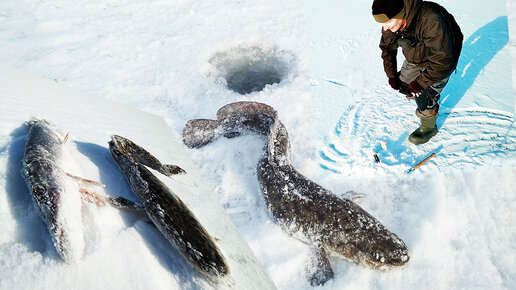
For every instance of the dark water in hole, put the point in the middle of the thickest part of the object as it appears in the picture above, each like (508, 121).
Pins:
(247, 81)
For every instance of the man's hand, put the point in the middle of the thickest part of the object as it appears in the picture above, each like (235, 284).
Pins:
(400, 86)
(415, 88)
(395, 83)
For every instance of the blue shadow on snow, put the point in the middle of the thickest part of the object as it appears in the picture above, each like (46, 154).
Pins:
(477, 51)
(30, 230)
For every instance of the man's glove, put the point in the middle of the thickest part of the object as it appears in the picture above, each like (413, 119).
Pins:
(400, 86)
(415, 88)
(395, 83)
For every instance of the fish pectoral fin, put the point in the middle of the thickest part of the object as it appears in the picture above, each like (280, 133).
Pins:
(92, 197)
(124, 203)
(355, 196)
(100, 200)
(318, 270)
(169, 169)
(85, 181)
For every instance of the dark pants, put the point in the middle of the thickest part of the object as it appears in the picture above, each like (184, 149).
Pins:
(430, 96)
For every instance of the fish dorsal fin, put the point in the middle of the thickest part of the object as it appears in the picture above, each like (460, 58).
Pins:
(65, 138)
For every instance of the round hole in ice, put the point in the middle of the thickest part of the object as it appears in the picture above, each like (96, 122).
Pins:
(247, 69)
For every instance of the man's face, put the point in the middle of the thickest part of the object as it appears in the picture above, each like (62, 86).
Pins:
(393, 24)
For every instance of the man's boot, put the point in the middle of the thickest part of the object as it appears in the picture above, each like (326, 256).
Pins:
(428, 128)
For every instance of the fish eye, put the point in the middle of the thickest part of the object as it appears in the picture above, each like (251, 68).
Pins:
(38, 189)
(379, 256)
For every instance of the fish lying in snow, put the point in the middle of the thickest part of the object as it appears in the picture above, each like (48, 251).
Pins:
(58, 195)
(301, 207)
(170, 215)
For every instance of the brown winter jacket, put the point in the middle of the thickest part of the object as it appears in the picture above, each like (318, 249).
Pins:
(431, 38)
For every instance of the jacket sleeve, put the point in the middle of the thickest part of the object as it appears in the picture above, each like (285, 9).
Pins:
(389, 47)
(439, 46)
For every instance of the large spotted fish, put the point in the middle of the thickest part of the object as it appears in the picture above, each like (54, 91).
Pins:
(302, 207)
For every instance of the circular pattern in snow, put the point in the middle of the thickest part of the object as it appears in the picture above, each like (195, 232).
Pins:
(249, 68)
(467, 137)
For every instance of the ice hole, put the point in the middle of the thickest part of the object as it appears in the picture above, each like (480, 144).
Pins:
(250, 69)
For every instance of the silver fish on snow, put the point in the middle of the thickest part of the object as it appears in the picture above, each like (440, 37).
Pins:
(57, 194)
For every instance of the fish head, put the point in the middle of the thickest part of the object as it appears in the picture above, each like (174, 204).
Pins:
(383, 250)
(45, 182)
(123, 148)
(363, 239)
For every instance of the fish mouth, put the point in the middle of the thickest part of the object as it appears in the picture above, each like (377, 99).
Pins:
(117, 140)
(391, 260)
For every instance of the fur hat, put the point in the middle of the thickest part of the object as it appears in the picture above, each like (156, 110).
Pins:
(385, 10)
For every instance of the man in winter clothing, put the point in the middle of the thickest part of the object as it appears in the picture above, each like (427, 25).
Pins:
(431, 42)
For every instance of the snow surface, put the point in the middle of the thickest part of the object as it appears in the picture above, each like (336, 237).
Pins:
(172, 58)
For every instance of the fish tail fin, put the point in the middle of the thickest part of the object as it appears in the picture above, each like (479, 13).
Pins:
(199, 132)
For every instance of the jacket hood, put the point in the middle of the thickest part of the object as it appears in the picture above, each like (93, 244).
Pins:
(411, 9)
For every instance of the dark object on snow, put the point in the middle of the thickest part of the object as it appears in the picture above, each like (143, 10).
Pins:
(376, 158)
(170, 215)
(300, 206)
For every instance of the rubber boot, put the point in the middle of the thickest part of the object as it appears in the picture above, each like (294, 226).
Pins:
(428, 128)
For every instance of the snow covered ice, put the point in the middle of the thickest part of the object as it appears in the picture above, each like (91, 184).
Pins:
(172, 58)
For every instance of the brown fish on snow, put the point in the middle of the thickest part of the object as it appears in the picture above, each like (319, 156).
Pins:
(300, 206)
(147, 177)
